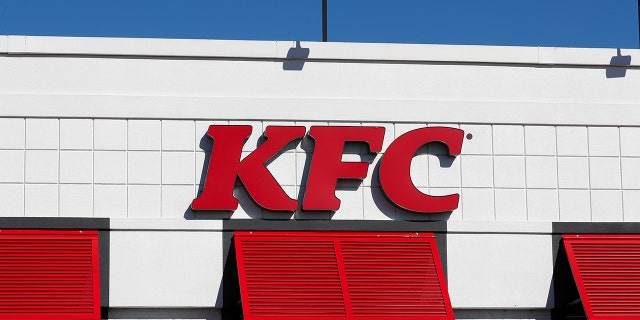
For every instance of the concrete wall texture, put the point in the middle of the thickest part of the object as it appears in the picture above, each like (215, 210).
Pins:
(116, 128)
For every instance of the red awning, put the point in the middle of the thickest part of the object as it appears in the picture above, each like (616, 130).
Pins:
(341, 275)
(47, 274)
(606, 268)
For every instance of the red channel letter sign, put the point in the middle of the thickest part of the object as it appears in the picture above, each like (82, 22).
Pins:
(327, 167)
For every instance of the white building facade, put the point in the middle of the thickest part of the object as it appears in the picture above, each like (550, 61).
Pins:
(111, 135)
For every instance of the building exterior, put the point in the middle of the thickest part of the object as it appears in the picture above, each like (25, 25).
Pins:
(112, 137)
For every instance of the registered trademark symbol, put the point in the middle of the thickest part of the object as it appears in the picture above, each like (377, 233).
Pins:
(469, 136)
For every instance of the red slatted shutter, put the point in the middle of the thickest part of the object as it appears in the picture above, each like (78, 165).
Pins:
(281, 276)
(339, 275)
(607, 273)
(47, 274)
(396, 277)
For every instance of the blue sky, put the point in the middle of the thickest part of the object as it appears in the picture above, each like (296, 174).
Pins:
(565, 23)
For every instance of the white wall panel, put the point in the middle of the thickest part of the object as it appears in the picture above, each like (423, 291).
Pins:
(12, 168)
(144, 134)
(478, 204)
(176, 200)
(41, 200)
(76, 134)
(540, 140)
(12, 198)
(444, 171)
(480, 141)
(109, 134)
(177, 135)
(573, 172)
(76, 200)
(509, 171)
(572, 141)
(179, 168)
(542, 172)
(13, 132)
(165, 269)
(499, 270)
(144, 201)
(542, 205)
(604, 141)
(631, 205)
(508, 140)
(629, 145)
(511, 204)
(575, 205)
(42, 134)
(605, 172)
(477, 171)
(110, 167)
(42, 166)
(631, 172)
(76, 167)
(144, 167)
(606, 205)
(110, 201)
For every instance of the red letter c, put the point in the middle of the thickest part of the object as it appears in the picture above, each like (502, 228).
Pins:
(395, 178)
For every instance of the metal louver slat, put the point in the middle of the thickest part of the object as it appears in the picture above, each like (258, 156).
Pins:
(607, 273)
(49, 275)
(341, 275)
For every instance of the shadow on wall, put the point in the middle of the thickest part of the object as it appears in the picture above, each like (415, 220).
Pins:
(206, 145)
(230, 284)
(162, 314)
(353, 151)
(295, 58)
(617, 64)
(564, 291)
(488, 314)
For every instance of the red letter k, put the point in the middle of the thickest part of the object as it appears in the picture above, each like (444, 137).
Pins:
(225, 166)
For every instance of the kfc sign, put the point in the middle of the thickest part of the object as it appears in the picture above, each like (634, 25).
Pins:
(327, 167)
